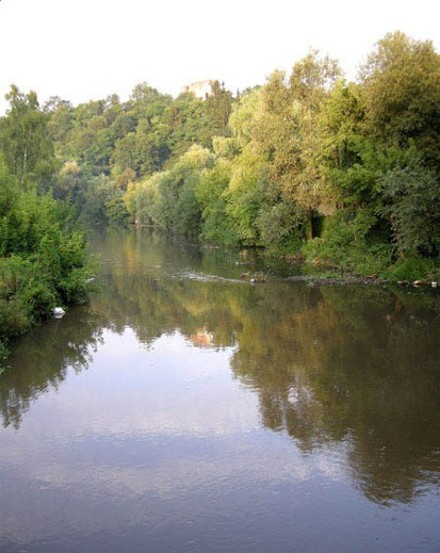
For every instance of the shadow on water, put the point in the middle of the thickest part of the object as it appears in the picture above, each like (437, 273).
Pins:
(357, 366)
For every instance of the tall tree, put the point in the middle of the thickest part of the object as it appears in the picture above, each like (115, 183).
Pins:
(218, 106)
(401, 85)
(25, 141)
(289, 132)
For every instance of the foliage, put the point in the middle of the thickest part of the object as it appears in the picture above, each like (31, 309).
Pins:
(247, 194)
(168, 199)
(348, 171)
(414, 210)
(412, 269)
(401, 91)
(103, 203)
(142, 199)
(27, 149)
(42, 262)
(211, 193)
(350, 242)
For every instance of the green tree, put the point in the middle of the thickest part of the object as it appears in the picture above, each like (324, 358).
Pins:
(414, 210)
(104, 203)
(247, 194)
(401, 88)
(218, 106)
(42, 263)
(211, 193)
(295, 139)
(60, 123)
(25, 142)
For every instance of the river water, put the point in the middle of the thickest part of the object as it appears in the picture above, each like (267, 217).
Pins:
(186, 410)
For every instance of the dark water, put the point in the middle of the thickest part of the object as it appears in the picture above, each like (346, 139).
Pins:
(185, 410)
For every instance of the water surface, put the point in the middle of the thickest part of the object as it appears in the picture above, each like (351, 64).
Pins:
(185, 410)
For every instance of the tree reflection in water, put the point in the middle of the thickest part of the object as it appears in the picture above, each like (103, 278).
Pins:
(41, 360)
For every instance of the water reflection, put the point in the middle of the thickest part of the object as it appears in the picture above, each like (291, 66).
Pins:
(359, 367)
(41, 360)
(337, 369)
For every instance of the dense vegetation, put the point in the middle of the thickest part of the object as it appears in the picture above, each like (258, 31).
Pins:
(342, 174)
(41, 260)
(345, 174)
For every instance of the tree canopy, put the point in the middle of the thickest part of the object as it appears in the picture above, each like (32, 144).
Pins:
(343, 173)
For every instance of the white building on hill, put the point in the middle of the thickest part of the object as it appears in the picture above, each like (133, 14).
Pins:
(201, 89)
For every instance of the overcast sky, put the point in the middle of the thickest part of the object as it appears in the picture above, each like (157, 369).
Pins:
(88, 49)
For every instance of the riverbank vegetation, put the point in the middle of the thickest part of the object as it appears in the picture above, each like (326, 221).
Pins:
(41, 258)
(341, 174)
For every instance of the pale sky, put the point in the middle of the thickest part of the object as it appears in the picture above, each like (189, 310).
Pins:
(87, 49)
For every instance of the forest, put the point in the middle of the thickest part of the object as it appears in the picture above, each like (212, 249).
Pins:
(340, 175)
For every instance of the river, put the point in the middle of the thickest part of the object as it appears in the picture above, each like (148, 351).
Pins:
(186, 410)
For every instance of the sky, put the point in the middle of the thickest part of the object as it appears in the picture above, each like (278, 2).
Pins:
(88, 49)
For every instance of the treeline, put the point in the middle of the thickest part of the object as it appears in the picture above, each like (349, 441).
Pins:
(41, 257)
(343, 173)
(107, 147)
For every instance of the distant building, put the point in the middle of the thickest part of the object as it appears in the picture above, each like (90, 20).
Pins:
(201, 89)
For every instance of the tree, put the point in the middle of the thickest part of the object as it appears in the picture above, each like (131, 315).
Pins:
(41, 262)
(211, 193)
(305, 179)
(104, 203)
(287, 131)
(60, 123)
(247, 194)
(414, 210)
(401, 90)
(25, 141)
(218, 107)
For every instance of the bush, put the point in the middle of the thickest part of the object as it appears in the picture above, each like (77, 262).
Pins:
(42, 266)
(350, 243)
(414, 208)
(413, 268)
